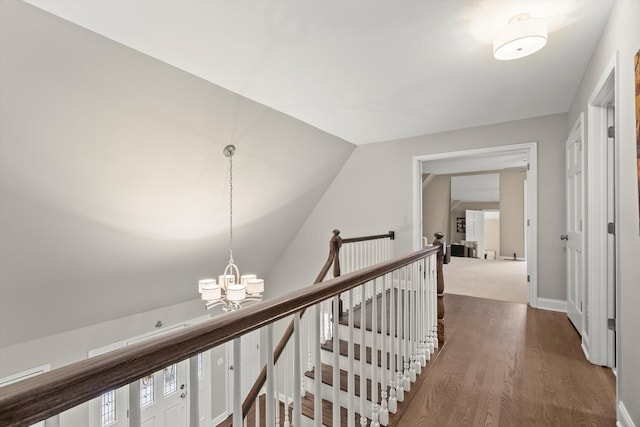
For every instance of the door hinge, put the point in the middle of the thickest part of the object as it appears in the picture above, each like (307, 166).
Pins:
(611, 324)
(528, 278)
(580, 225)
(580, 306)
(611, 228)
(528, 166)
(528, 223)
(611, 132)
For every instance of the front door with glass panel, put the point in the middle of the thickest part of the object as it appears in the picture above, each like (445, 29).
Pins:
(163, 395)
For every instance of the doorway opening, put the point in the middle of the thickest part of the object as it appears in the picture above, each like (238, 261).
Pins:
(513, 159)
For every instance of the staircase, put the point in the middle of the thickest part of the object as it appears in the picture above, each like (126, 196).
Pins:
(356, 374)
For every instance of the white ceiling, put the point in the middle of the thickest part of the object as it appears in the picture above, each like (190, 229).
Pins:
(476, 188)
(365, 71)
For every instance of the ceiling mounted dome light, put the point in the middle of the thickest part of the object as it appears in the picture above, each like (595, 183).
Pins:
(521, 37)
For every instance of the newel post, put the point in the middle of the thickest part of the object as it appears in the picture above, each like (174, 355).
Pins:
(440, 261)
(334, 248)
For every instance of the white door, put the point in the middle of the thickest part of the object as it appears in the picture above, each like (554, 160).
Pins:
(163, 397)
(475, 230)
(249, 365)
(574, 161)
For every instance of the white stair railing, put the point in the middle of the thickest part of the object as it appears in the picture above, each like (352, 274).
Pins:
(397, 327)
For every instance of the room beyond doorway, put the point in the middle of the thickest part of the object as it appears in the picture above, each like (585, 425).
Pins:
(496, 279)
(476, 160)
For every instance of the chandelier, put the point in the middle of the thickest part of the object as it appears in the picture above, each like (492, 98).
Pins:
(232, 290)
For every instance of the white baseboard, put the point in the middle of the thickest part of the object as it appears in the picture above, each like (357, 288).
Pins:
(552, 304)
(624, 419)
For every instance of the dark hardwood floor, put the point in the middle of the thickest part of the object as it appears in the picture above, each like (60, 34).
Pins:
(506, 364)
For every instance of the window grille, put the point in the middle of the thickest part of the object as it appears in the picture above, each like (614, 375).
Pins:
(170, 379)
(146, 391)
(108, 408)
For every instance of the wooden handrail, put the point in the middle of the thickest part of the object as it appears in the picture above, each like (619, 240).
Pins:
(35, 399)
(390, 235)
(335, 243)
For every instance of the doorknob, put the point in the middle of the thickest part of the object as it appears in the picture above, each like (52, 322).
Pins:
(564, 237)
(231, 368)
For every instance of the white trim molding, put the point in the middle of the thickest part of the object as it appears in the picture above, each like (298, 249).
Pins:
(552, 304)
(624, 419)
(596, 231)
(531, 150)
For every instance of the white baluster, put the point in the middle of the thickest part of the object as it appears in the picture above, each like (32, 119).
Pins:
(270, 373)
(276, 399)
(384, 406)
(393, 402)
(309, 326)
(400, 377)
(434, 296)
(285, 373)
(424, 312)
(297, 372)
(237, 400)
(336, 362)
(374, 356)
(317, 369)
(413, 319)
(351, 389)
(363, 359)
(406, 383)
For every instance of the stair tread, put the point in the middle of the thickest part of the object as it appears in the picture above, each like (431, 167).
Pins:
(327, 378)
(344, 318)
(344, 347)
(327, 411)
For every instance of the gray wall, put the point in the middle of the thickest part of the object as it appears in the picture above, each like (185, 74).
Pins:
(436, 202)
(512, 212)
(622, 34)
(373, 193)
(492, 235)
(113, 182)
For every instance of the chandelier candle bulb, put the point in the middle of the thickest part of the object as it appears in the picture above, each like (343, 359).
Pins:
(211, 292)
(255, 286)
(236, 292)
(205, 282)
(246, 277)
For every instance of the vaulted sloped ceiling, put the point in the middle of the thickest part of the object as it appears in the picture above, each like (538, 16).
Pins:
(366, 71)
(113, 185)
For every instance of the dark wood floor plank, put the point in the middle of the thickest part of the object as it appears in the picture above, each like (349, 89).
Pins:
(507, 364)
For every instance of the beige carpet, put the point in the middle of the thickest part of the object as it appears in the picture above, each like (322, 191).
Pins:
(501, 280)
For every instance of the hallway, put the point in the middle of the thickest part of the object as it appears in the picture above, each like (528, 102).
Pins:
(507, 364)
